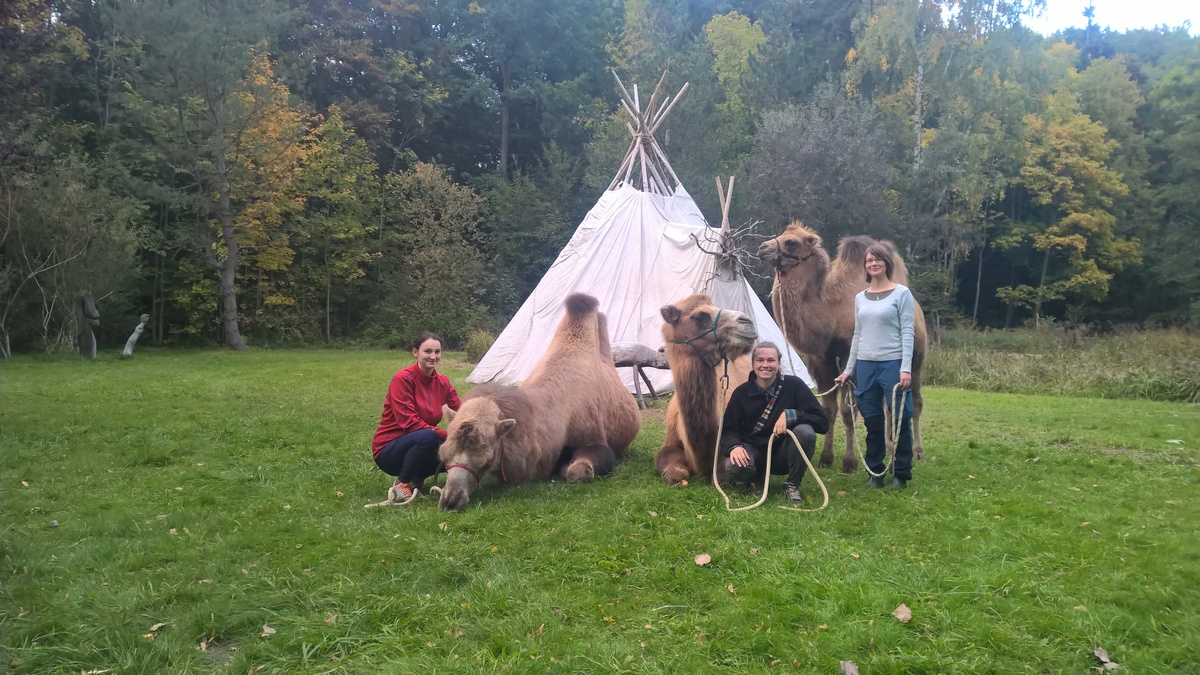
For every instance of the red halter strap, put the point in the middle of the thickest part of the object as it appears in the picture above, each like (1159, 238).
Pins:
(475, 475)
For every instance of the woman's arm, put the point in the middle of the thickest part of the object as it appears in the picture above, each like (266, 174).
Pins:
(906, 307)
(850, 362)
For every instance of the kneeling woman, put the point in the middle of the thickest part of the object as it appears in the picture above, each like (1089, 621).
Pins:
(407, 440)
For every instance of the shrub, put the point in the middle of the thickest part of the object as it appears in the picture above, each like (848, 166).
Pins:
(478, 342)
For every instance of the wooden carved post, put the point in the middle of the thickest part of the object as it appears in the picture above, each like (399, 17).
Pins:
(137, 333)
(86, 316)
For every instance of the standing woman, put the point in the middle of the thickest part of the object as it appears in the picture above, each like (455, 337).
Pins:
(883, 350)
(407, 440)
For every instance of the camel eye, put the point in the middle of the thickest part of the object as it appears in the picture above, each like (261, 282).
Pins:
(701, 318)
(791, 243)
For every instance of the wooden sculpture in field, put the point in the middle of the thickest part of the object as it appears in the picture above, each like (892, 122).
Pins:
(571, 415)
(813, 301)
(704, 343)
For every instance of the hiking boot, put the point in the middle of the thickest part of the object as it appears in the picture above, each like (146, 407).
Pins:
(792, 493)
(875, 481)
(896, 484)
(406, 490)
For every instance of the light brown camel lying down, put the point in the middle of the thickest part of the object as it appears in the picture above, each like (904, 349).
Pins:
(700, 337)
(572, 415)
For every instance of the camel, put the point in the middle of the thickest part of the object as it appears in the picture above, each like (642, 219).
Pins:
(704, 344)
(814, 303)
(572, 415)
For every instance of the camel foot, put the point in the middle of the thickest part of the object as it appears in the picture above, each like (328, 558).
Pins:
(580, 471)
(674, 475)
(849, 465)
(825, 461)
(919, 452)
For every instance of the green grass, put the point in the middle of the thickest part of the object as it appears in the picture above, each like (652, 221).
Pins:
(1040, 529)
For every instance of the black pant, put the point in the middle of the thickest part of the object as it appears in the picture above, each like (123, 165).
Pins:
(785, 458)
(412, 457)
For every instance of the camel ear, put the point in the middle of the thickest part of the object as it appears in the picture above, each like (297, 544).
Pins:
(448, 413)
(812, 240)
(670, 314)
(504, 427)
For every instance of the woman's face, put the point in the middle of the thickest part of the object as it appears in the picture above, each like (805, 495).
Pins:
(876, 268)
(429, 355)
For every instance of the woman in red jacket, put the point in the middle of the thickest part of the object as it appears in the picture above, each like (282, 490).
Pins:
(407, 440)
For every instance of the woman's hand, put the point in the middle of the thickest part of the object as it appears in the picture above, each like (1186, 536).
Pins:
(781, 425)
(905, 380)
(841, 379)
(739, 457)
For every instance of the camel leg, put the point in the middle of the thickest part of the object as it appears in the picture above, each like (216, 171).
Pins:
(586, 463)
(849, 459)
(918, 405)
(829, 403)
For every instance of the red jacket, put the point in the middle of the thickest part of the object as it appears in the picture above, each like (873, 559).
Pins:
(414, 401)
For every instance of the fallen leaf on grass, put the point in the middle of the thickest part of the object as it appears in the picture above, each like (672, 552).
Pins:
(730, 588)
(443, 526)
(849, 668)
(254, 670)
(156, 626)
(330, 619)
(24, 484)
(1085, 523)
(1080, 608)
(854, 555)
(205, 581)
(267, 631)
(970, 477)
(174, 533)
(776, 662)
(755, 550)
(1176, 441)
(683, 483)
(339, 494)
(903, 613)
(1103, 656)
(703, 559)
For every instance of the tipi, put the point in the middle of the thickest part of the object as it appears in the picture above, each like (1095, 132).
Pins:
(643, 245)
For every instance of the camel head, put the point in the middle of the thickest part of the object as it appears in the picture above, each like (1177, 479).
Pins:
(473, 447)
(699, 327)
(793, 247)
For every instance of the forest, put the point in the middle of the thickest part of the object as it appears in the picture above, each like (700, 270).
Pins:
(274, 173)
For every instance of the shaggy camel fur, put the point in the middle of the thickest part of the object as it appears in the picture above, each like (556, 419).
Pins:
(572, 415)
(814, 303)
(700, 337)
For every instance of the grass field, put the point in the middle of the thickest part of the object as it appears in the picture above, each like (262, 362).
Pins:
(209, 512)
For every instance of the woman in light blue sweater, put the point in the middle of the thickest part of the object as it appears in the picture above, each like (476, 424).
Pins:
(882, 350)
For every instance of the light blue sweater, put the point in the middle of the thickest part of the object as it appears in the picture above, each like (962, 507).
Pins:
(883, 329)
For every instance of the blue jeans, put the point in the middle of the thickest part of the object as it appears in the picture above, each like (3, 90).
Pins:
(875, 381)
(411, 458)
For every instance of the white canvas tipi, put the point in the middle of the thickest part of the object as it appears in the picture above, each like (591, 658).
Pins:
(643, 245)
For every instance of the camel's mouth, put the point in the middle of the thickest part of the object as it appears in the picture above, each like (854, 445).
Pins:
(457, 492)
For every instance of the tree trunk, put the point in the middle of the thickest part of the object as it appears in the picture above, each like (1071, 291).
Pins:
(1037, 304)
(229, 310)
(918, 114)
(505, 85)
(979, 272)
(328, 293)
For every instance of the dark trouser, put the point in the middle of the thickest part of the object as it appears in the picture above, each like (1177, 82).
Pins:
(412, 457)
(785, 458)
(874, 394)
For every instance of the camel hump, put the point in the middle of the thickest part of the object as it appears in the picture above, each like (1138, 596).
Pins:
(899, 269)
(581, 304)
(855, 248)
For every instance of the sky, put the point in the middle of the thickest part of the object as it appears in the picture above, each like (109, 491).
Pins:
(1119, 15)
